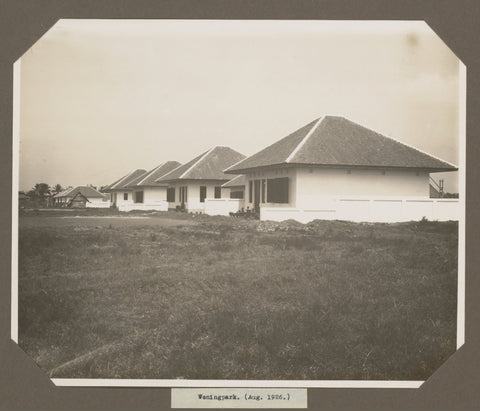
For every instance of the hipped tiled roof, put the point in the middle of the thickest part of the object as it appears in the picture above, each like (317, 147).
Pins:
(149, 179)
(122, 183)
(63, 193)
(207, 166)
(86, 191)
(236, 181)
(337, 141)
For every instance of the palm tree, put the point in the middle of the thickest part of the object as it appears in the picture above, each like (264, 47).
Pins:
(39, 193)
(57, 189)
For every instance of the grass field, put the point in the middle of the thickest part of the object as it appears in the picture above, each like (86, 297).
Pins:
(179, 296)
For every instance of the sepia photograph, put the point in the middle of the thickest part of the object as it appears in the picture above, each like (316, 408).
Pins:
(213, 201)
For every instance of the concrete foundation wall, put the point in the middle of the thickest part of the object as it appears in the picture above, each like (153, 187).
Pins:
(222, 206)
(97, 203)
(158, 206)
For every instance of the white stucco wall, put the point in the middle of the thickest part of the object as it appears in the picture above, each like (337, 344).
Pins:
(222, 206)
(193, 203)
(358, 195)
(309, 187)
(119, 197)
(315, 183)
(97, 200)
(97, 203)
(151, 195)
(154, 198)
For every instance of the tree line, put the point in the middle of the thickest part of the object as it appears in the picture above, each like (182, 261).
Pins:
(40, 193)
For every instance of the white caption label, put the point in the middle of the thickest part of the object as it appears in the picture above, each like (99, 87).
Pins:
(239, 398)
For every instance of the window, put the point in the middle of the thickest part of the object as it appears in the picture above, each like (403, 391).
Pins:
(277, 190)
(125, 196)
(250, 189)
(171, 194)
(236, 194)
(264, 187)
(218, 192)
(138, 197)
(203, 193)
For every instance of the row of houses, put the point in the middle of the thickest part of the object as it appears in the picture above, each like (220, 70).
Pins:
(332, 168)
(172, 185)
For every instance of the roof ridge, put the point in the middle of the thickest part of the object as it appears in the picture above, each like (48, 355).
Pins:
(79, 193)
(269, 146)
(234, 178)
(238, 162)
(304, 140)
(166, 174)
(119, 181)
(149, 173)
(198, 161)
(68, 190)
(400, 142)
(94, 189)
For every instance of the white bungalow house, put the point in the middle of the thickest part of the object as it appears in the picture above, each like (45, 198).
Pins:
(333, 168)
(81, 197)
(196, 186)
(120, 193)
(146, 193)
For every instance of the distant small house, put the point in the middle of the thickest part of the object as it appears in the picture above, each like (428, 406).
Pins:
(81, 197)
(78, 201)
(193, 183)
(333, 168)
(62, 198)
(120, 193)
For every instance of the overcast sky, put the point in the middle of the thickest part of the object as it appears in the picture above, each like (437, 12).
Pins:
(102, 97)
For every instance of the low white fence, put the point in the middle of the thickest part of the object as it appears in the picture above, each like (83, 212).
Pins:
(97, 204)
(386, 210)
(156, 206)
(223, 206)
